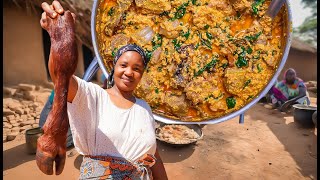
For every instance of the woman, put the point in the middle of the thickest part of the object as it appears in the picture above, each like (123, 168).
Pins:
(113, 130)
(291, 90)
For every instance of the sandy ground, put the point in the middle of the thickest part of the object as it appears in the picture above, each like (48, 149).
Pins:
(269, 145)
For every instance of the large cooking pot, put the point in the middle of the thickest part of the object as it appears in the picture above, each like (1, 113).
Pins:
(98, 62)
(303, 114)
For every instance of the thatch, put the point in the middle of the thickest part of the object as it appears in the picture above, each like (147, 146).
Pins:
(80, 7)
(302, 46)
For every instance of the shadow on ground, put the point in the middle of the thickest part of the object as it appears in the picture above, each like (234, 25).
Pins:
(171, 154)
(306, 163)
(10, 159)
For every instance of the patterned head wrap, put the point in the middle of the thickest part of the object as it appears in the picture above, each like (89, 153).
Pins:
(122, 50)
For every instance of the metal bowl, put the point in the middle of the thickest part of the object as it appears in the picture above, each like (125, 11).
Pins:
(302, 114)
(195, 127)
(226, 117)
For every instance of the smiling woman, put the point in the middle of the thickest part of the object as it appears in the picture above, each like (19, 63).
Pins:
(129, 65)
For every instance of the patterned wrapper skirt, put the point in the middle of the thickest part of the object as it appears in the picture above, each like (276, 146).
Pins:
(116, 168)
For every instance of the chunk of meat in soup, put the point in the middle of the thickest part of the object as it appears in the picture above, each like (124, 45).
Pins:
(119, 40)
(221, 5)
(198, 89)
(144, 87)
(240, 5)
(234, 80)
(155, 6)
(115, 18)
(170, 29)
(176, 104)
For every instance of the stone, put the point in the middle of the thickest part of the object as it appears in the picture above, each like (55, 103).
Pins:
(23, 132)
(23, 128)
(6, 130)
(35, 125)
(38, 109)
(7, 101)
(24, 117)
(5, 119)
(18, 95)
(43, 98)
(7, 112)
(13, 122)
(35, 105)
(29, 116)
(30, 97)
(27, 93)
(33, 114)
(28, 122)
(8, 126)
(5, 123)
(37, 121)
(30, 119)
(38, 88)
(26, 87)
(28, 127)
(12, 136)
(15, 129)
(11, 117)
(4, 138)
(16, 124)
(26, 110)
(14, 105)
(49, 85)
(19, 111)
(27, 103)
(38, 116)
(8, 91)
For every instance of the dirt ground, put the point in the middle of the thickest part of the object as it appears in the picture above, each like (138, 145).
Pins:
(269, 145)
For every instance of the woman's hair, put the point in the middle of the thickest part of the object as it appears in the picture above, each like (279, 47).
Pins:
(122, 50)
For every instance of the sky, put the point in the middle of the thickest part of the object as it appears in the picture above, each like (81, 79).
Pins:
(298, 12)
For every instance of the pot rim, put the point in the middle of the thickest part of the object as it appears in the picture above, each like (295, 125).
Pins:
(304, 107)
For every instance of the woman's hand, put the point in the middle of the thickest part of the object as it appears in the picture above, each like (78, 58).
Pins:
(51, 11)
(48, 22)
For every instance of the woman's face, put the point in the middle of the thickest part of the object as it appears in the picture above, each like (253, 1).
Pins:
(128, 71)
(290, 77)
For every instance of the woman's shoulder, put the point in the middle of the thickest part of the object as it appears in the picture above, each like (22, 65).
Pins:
(143, 104)
(88, 85)
(299, 82)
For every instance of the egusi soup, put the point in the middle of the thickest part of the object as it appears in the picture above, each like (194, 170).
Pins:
(208, 57)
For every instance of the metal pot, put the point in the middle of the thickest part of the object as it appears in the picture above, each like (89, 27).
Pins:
(302, 114)
(99, 62)
(32, 136)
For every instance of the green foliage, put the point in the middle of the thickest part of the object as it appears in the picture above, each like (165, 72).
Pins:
(307, 31)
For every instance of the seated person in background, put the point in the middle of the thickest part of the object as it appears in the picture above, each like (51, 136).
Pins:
(291, 90)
